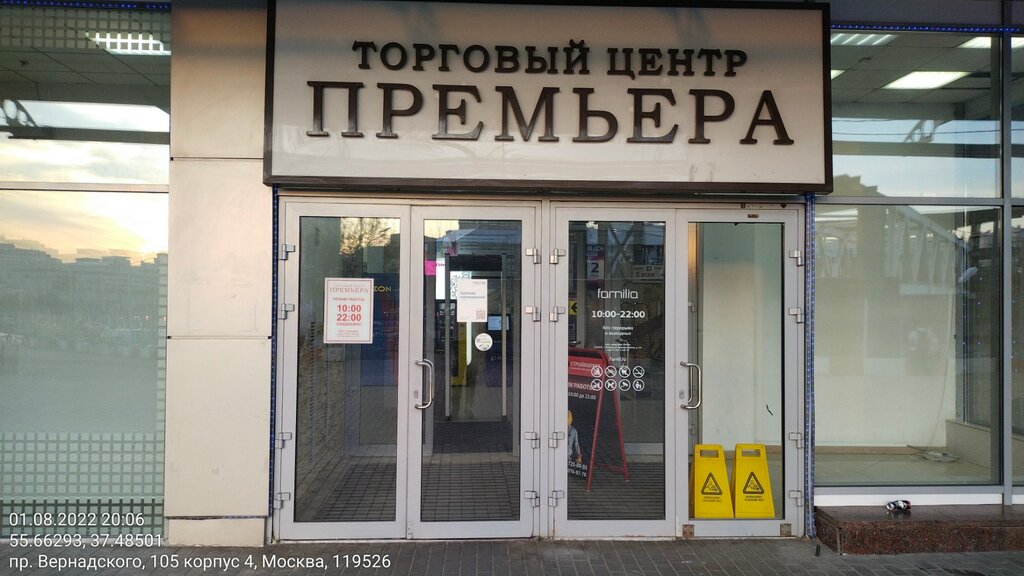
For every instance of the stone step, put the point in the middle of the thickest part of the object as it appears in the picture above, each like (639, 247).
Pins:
(875, 530)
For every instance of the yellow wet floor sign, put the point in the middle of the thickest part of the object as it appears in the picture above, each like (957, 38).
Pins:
(751, 485)
(709, 483)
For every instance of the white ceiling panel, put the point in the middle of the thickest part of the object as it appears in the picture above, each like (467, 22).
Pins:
(54, 77)
(96, 62)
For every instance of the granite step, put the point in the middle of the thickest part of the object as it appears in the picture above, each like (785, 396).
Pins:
(875, 530)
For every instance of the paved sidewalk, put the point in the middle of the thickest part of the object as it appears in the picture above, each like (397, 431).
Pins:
(507, 557)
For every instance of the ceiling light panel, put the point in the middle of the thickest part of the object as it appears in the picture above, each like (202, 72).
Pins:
(129, 43)
(986, 42)
(924, 80)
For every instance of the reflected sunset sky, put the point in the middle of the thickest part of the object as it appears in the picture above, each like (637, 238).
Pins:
(70, 225)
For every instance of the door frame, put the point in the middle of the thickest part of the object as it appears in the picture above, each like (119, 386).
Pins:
(548, 372)
(285, 526)
(677, 524)
(529, 350)
(560, 526)
(792, 371)
(410, 213)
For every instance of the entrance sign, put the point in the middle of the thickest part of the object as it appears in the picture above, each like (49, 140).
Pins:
(433, 95)
(348, 310)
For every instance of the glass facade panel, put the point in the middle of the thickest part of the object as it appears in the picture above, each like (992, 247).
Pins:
(915, 114)
(907, 343)
(83, 281)
(346, 439)
(81, 103)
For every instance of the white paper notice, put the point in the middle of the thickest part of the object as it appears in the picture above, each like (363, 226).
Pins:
(471, 300)
(348, 310)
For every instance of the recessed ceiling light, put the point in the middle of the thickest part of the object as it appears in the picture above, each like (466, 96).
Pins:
(853, 39)
(837, 73)
(986, 42)
(924, 80)
(128, 43)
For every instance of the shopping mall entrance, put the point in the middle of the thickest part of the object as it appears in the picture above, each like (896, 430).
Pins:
(491, 370)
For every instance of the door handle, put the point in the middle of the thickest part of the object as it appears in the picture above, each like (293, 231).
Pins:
(429, 394)
(700, 386)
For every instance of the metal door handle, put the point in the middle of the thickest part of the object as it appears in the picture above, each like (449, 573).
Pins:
(430, 383)
(700, 386)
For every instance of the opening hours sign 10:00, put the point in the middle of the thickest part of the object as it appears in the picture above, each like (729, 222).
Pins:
(348, 310)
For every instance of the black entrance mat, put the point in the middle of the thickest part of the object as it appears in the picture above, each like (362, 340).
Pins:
(472, 437)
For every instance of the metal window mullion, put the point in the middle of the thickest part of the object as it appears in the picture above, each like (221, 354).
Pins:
(1006, 182)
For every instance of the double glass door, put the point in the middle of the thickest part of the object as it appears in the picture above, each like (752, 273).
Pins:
(681, 390)
(518, 370)
(408, 372)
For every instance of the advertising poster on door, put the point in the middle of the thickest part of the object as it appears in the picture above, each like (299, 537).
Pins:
(348, 310)
(594, 425)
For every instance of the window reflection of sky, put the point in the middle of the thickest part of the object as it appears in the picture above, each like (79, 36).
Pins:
(97, 116)
(82, 162)
(26, 160)
(71, 225)
(901, 130)
(918, 177)
(913, 175)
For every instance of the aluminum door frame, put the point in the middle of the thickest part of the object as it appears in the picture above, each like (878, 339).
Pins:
(793, 374)
(285, 526)
(559, 525)
(529, 348)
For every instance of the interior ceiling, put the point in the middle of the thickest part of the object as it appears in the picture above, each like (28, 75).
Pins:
(46, 54)
(867, 69)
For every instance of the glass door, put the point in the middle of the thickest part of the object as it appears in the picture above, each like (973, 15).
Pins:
(616, 459)
(408, 376)
(471, 457)
(677, 373)
(343, 428)
(740, 416)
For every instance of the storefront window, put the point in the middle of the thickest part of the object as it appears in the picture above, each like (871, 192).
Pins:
(915, 115)
(83, 281)
(83, 275)
(907, 344)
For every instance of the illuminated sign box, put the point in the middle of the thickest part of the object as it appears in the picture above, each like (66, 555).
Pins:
(456, 95)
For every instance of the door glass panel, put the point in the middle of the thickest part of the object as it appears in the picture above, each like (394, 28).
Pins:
(347, 397)
(472, 294)
(736, 286)
(616, 371)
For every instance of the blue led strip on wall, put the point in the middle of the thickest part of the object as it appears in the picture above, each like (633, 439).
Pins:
(273, 354)
(148, 6)
(809, 245)
(915, 28)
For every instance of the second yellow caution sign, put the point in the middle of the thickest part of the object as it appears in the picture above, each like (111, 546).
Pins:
(709, 483)
(751, 486)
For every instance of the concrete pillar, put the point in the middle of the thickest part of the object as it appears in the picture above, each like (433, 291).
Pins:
(219, 278)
